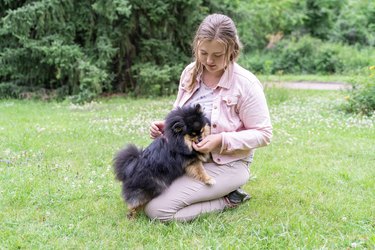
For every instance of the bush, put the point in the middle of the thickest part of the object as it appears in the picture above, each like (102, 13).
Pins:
(355, 24)
(308, 55)
(257, 62)
(9, 90)
(361, 99)
(296, 56)
(92, 79)
(154, 80)
(83, 48)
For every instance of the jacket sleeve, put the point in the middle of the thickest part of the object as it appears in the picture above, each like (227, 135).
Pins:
(254, 114)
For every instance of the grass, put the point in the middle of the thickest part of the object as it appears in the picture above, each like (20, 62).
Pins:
(312, 188)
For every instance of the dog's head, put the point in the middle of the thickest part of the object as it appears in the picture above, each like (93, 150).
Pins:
(187, 122)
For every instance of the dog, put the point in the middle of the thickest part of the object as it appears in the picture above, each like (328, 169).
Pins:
(146, 173)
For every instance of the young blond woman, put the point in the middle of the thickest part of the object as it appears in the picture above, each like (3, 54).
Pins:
(233, 100)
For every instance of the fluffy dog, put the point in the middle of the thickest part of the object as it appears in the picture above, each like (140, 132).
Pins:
(145, 173)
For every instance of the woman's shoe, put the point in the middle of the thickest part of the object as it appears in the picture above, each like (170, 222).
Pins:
(236, 197)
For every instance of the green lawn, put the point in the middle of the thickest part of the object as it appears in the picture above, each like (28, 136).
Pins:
(312, 188)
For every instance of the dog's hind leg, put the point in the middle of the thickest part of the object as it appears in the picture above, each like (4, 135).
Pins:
(133, 210)
(196, 170)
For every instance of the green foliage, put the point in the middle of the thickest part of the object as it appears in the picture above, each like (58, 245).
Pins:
(308, 55)
(90, 79)
(154, 80)
(348, 21)
(43, 52)
(258, 19)
(84, 48)
(9, 90)
(356, 24)
(361, 99)
(321, 16)
(296, 55)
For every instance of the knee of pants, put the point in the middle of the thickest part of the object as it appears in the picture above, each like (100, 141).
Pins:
(154, 211)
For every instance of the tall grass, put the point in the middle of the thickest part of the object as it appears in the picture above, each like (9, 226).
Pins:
(312, 188)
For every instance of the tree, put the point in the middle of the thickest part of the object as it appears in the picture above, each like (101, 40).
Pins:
(82, 48)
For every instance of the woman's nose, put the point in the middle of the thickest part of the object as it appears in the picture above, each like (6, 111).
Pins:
(209, 60)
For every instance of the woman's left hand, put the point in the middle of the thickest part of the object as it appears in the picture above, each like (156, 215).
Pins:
(208, 144)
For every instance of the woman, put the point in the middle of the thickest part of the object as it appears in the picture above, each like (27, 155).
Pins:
(233, 99)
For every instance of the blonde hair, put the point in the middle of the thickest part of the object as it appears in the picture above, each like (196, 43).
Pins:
(222, 29)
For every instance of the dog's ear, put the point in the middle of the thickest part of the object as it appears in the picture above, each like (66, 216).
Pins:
(178, 127)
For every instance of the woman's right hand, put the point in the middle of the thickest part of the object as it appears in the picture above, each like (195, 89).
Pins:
(156, 129)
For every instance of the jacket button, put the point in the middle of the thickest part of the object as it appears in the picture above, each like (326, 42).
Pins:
(218, 159)
(214, 125)
(215, 107)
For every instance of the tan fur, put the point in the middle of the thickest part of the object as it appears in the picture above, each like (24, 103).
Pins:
(197, 171)
(206, 131)
(189, 142)
(132, 211)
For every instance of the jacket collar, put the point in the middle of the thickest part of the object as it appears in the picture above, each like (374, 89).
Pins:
(225, 80)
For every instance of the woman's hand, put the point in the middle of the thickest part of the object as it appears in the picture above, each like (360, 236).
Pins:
(156, 129)
(208, 144)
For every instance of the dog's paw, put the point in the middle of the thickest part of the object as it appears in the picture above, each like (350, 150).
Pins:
(131, 215)
(210, 181)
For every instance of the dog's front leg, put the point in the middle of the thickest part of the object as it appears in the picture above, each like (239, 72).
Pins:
(197, 171)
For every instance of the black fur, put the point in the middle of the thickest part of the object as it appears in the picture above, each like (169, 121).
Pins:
(146, 173)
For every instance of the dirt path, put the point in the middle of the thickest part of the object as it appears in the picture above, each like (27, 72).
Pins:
(310, 85)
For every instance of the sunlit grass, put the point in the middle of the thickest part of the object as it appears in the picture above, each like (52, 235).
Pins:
(312, 188)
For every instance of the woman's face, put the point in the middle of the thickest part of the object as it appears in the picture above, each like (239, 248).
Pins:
(211, 54)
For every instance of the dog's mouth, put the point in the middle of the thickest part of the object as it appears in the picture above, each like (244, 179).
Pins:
(195, 139)
(198, 137)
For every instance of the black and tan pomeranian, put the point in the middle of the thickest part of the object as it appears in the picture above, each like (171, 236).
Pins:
(145, 173)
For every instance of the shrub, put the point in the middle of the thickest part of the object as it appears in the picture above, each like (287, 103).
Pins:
(256, 62)
(9, 90)
(308, 55)
(361, 99)
(296, 56)
(86, 47)
(92, 79)
(154, 80)
(355, 24)
(327, 58)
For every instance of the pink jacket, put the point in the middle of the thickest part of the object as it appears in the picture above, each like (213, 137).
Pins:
(240, 112)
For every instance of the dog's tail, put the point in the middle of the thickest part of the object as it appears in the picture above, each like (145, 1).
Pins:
(125, 161)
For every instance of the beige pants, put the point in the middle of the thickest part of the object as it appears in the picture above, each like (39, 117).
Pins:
(187, 198)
